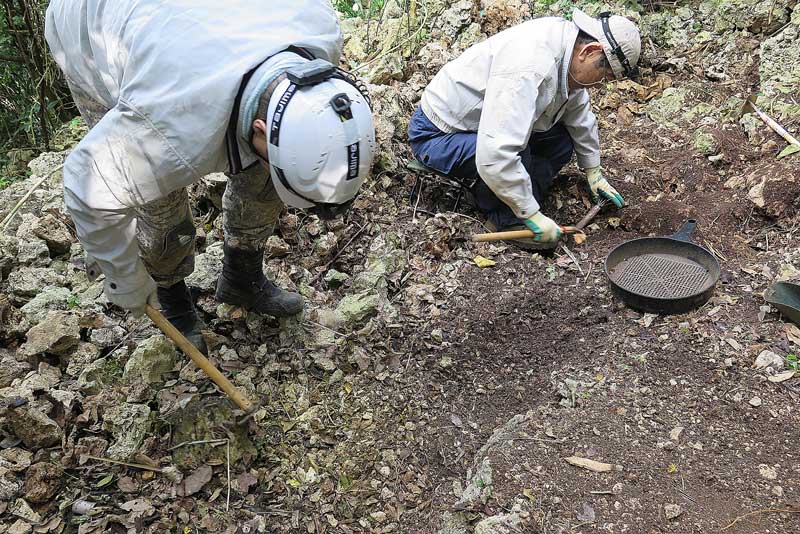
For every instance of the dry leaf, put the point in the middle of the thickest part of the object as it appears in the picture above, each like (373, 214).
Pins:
(592, 465)
(195, 482)
(793, 333)
(482, 262)
(579, 239)
(781, 377)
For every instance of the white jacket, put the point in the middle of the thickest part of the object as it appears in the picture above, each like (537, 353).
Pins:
(507, 87)
(169, 73)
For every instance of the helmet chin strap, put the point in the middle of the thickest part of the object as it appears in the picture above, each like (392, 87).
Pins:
(574, 79)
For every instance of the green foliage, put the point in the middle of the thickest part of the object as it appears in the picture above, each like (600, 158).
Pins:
(359, 8)
(792, 362)
(34, 98)
(73, 301)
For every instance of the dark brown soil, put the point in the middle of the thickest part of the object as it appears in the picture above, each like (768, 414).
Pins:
(514, 333)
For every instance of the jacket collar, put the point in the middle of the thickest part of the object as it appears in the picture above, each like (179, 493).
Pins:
(568, 42)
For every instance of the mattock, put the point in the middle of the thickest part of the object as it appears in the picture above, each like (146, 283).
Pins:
(202, 362)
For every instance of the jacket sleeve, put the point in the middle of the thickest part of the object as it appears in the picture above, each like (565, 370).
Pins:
(104, 219)
(581, 124)
(509, 111)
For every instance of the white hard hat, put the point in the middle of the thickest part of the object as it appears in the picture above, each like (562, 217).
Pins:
(619, 37)
(321, 140)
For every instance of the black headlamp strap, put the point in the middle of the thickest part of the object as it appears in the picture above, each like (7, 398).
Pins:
(616, 49)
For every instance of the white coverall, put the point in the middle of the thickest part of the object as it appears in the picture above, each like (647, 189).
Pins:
(507, 87)
(160, 80)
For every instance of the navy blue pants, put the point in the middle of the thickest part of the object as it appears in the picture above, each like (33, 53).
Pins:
(454, 155)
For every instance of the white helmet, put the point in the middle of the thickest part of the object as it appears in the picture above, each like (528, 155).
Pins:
(321, 138)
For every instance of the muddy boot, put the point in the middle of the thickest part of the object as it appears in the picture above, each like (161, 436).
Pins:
(178, 308)
(243, 283)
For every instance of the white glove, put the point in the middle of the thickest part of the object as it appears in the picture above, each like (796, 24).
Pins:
(601, 188)
(545, 230)
(132, 292)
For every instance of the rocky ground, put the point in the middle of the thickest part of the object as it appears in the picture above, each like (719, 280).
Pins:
(420, 393)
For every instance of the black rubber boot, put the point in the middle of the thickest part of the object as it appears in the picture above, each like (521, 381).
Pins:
(178, 308)
(243, 283)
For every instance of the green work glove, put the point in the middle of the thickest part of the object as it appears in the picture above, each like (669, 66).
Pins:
(544, 229)
(601, 187)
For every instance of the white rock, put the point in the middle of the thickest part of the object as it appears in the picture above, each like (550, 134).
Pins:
(767, 358)
(767, 472)
(672, 511)
(755, 402)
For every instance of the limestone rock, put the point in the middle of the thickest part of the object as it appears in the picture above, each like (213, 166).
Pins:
(99, 374)
(81, 357)
(9, 487)
(108, 336)
(153, 357)
(15, 459)
(501, 14)
(26, 282)
(666, 109)
(455, 523)
(53, 232)
(780, 72)
(672, 511)
(500, 524)
(9, 248)
(11, 369)
(705, 142)
(50, 298)
(755, 16)
(334, 278)
(34, 428)
(129, 424)
(479, 486)
(207, 268)
(276, 247)
(33, 252)
(359, 306)
(42, 482)
(200, 420)
(325, 245)
(455, 18)
(58, 333)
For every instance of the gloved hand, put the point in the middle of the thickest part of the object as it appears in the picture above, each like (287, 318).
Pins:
(601, 187)
(545, 230)
(132, 292)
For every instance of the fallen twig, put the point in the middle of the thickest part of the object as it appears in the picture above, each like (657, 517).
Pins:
(761, 511)
(126, 464)
(199, 442)
(419, 196)
(573, 258)
(228, 456)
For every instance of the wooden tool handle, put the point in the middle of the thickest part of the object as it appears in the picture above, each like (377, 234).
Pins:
(523, 234)
(197, 357)
(590, 215)
(776, 127)
(520, 234)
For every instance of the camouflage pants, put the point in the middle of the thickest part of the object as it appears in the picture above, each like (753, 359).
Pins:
(165, 228)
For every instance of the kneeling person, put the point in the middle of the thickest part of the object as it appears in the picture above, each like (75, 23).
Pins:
(507, 114)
